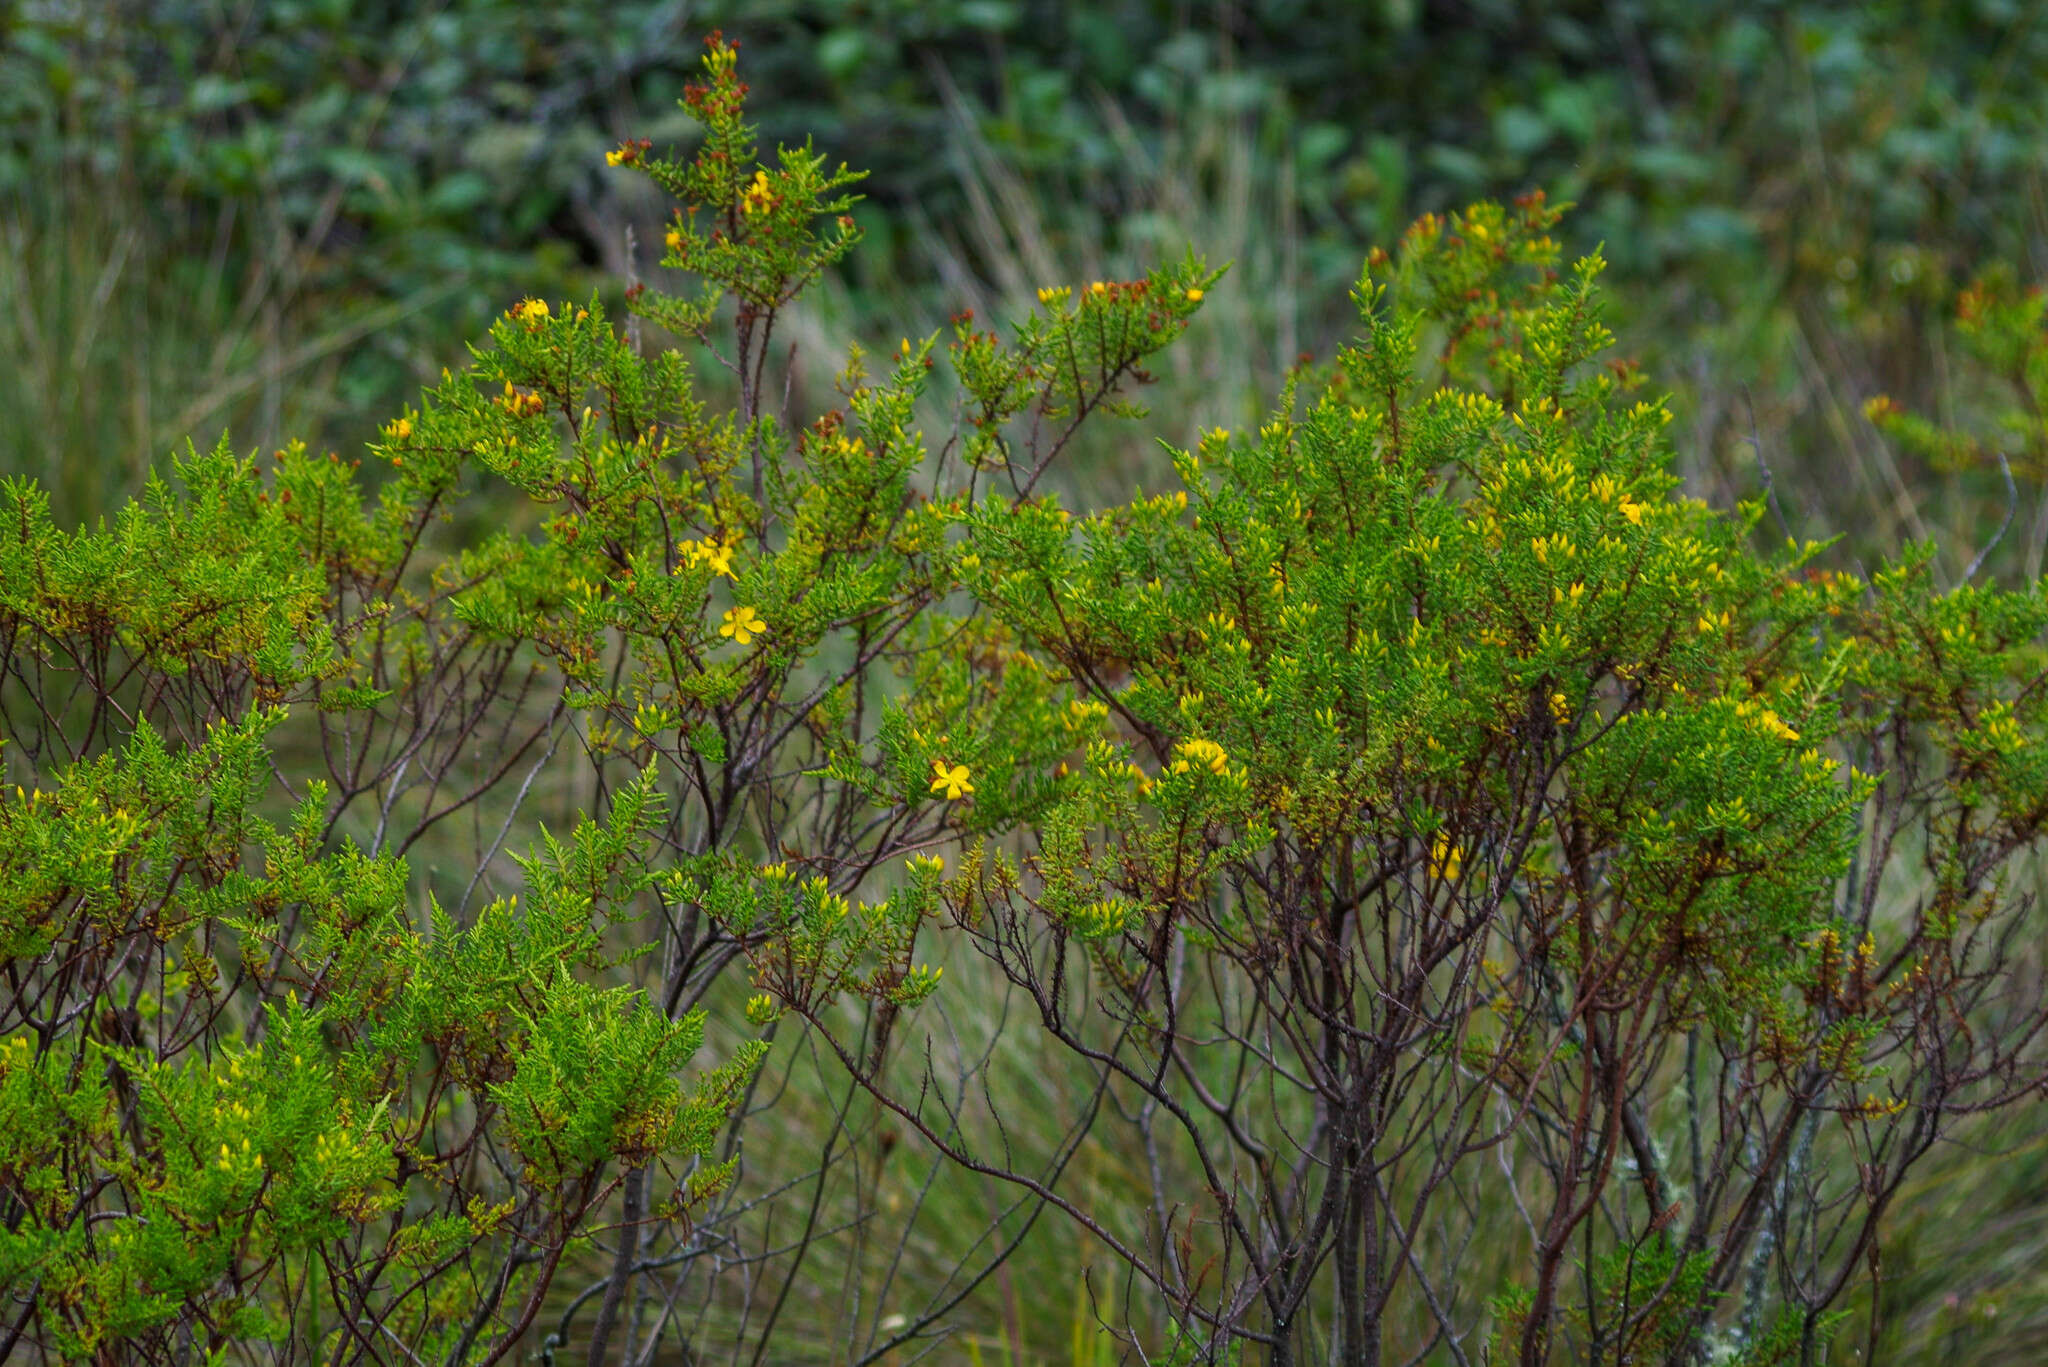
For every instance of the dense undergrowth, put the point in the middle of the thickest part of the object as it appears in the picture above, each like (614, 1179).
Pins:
(1412, 883)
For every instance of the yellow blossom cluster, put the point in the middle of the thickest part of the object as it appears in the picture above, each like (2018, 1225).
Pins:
(650, 719)
(716, 554)
(1766, 718)
(230, 1160)
(520, 403)
(2001, 730)
(1083, 714)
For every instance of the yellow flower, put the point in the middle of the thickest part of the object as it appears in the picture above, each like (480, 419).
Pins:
(1206, 753)
(1194, 295)
(1445, 859)
(1776, 726)
(952, 781)
(719, 558)
(674, 238)
(400, 429)
(1082, 714)
(758, 198)
(1632, 511)
(743, 625)
(532, 312)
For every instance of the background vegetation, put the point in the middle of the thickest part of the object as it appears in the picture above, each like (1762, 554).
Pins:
(205, 200)
(280, 219)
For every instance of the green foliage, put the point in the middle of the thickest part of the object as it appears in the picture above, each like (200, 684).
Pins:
(1430, 778)
(275, 1087)
(1449, 859)
(184, 1154)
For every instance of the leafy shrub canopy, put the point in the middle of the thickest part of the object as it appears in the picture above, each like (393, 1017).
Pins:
(1421, 803)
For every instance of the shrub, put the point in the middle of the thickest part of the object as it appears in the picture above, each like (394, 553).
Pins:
(1433, 844)
(273, 1086)
(1469, 864)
